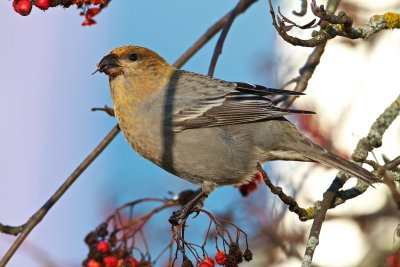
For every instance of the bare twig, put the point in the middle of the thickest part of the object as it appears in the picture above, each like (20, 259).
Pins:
(393, 164)
(309, 67)
(320, 214)
(335, 25)
(222, 37)
(11, 230)
(306, 72)
(282, 29)
(303, 10)
(288, 200)
(214, 29)
(378, 128)
(106, 109)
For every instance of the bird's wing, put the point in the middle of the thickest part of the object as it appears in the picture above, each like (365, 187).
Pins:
(201, 101)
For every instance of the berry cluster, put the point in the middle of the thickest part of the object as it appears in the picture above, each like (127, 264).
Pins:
(230, 259)
(230, 255)
(115, 241)
(24, 7)
(104, 252)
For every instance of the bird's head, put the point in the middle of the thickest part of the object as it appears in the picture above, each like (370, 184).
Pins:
(132, 60)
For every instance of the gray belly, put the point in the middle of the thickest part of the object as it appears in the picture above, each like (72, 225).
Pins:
(212, 154)
(225, 155)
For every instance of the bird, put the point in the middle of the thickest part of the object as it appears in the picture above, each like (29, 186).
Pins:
(205, 130)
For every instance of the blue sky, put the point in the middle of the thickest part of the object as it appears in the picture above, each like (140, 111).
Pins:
(47, 127)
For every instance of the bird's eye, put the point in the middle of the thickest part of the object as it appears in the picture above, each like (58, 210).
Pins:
(133, 57)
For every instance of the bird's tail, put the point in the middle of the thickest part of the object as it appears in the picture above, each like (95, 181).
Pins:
(332, 160)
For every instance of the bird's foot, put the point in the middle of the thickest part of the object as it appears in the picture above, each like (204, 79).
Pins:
(189, 205)
(179, 216)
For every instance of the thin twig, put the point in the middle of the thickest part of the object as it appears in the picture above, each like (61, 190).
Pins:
(393, 164)
(306, 72)
(334, 25)
(222, 37)
(378, 128)
(11, 230)
(288, 200)
(303, 9)
(106, 109)
(210, 33)
(320, 214)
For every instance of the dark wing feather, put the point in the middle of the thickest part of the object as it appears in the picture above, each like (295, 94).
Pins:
(239, 103)
(262, 90)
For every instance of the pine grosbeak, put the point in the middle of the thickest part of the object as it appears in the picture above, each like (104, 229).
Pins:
(207, 131)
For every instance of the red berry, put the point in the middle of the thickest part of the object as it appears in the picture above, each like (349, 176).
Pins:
(110, 261)
(132, 262)
(208, 261)
(88, 22)
(204, 264)
(92, 12)
(103, 247)
(43, 4)
(93, 263)
(22, 7)
(220, 257)
(97, 2)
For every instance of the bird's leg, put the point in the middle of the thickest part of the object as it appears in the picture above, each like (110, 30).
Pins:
(189, 205)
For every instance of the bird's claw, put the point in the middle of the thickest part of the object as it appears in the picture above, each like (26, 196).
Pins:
(178, 216)
(197, 212)
(193, 205)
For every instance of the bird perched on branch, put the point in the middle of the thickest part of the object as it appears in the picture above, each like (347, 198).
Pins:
(205, 130)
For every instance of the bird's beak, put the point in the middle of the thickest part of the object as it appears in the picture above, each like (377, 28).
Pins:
(109, 65)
